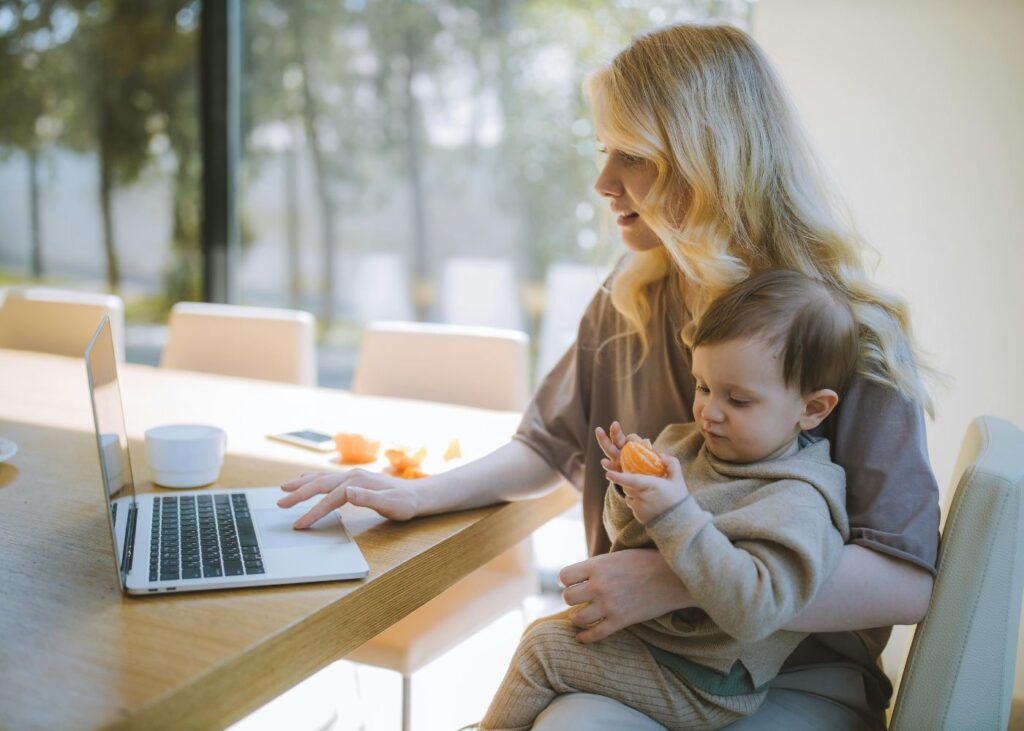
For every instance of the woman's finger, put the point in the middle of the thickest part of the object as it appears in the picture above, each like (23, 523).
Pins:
(300, 480)
(574, 573)
(314, 485)
(585, 615)
(577, 594)
(334, 500)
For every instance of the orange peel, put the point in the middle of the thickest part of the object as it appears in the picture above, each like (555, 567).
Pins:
(355, 448)
(401, 460)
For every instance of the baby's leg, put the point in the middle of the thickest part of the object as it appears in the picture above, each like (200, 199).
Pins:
(550, 661)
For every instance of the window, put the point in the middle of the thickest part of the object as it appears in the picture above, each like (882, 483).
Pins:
(426, 159)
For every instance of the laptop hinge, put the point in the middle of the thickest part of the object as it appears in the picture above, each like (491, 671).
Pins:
(129, 539)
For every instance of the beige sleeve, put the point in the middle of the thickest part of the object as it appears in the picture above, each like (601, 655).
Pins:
(754, 568)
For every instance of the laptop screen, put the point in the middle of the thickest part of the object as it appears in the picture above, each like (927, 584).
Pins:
(111, 442)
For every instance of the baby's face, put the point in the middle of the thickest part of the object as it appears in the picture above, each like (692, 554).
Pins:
(744, 410)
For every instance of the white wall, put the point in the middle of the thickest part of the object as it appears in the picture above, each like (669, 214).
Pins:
(917, 110)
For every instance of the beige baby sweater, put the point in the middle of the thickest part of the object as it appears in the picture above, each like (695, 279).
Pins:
(752, 546)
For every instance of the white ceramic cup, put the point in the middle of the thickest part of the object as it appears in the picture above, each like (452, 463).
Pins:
(185, 455)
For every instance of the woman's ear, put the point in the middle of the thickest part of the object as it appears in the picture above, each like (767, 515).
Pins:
(817, 405)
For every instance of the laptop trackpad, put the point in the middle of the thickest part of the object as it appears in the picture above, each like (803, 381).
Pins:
(275, 528)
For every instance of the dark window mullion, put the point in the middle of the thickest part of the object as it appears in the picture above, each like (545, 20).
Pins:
(220, 84)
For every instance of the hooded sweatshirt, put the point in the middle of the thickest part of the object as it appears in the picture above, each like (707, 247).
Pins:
(752, 546)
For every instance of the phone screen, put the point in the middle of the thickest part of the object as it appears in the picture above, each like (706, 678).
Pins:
(310, 436)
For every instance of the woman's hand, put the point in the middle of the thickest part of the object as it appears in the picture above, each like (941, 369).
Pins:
(615, 590)
(392, 497)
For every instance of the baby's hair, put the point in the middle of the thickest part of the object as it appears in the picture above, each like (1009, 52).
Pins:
(810, 323)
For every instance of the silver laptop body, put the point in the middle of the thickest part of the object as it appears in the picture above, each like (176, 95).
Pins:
(196, 540)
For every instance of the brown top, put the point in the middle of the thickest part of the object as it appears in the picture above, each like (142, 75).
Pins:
(876, 435)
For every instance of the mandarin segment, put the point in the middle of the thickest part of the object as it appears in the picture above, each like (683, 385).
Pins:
(355, 448)
(641, 459)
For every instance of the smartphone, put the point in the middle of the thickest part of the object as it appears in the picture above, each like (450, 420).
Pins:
(307, 438)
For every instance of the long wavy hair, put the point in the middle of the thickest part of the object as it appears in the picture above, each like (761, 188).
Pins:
(738, 190)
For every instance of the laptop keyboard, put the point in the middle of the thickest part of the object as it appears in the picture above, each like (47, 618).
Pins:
(199, 536)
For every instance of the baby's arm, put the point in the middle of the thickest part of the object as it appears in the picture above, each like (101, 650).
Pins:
(784, 547)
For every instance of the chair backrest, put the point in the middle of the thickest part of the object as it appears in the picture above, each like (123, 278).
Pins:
(58, 321)
(480, 292)
(471, 366)
(568, 289)
(249, 342)
(960, 670)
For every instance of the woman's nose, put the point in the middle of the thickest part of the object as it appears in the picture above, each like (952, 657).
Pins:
(608, 183)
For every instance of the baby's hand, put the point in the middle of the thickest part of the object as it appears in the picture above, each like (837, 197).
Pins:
(611, 444)
(650, 496)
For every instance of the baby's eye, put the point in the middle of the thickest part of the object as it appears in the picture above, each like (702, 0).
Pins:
(739, 403)
(703, 389)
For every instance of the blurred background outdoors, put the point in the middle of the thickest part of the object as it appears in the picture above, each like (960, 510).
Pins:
(401, 159)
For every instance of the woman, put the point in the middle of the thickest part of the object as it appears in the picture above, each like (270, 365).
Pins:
(711, 180)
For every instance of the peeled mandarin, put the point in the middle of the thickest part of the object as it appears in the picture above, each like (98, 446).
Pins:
(401, 460)
(355, 448)
(641, 459)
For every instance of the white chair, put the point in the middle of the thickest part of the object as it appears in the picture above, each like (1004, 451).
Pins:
(58, 321)
(568, 289)
(379, 289)
(249, 342)
(960, 671)
(472, 366)
(476, 291)
(480, 367)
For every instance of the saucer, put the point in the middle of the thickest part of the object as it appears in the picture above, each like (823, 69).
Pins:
(7, 449)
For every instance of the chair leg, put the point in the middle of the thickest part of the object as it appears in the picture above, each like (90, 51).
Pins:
(406, 702)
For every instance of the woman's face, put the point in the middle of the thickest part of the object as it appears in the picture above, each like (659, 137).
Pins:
(625, 180)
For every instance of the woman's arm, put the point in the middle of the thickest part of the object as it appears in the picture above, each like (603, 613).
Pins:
(511, 472)
(867, 589)
(614, 590)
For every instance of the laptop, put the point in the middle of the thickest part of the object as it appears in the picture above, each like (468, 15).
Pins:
(199, 540)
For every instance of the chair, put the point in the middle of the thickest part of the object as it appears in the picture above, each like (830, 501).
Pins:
(470, 366)
(568, 289)
(250, 342)
(58, 321)
(477, 291)
(960, 670)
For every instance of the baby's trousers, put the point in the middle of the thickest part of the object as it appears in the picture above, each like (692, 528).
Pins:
(550, 661)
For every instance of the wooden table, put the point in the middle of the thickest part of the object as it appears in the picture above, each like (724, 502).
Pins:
(76, 653)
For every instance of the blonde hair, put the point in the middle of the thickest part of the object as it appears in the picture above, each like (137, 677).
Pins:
(737, 190)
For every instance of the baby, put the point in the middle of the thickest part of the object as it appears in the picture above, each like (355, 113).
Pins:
(750, 515)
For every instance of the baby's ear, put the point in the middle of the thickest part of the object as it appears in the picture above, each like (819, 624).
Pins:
(817, 405)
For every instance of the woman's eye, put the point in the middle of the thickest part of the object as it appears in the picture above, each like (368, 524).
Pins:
(631, 160)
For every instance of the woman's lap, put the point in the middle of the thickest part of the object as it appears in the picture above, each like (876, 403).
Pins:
(799, 700)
